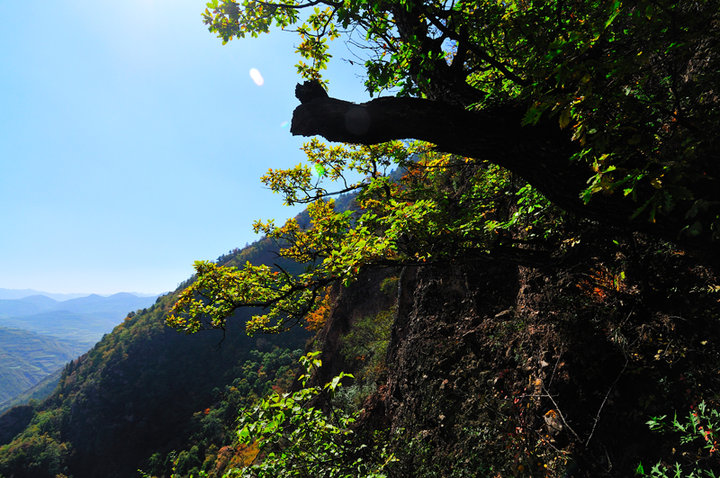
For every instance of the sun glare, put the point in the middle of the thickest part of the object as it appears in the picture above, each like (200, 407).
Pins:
(256, 76)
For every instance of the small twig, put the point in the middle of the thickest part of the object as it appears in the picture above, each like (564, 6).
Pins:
(597, 415)
(552, 375)
(607, 455)
(222, 339)
(531, 395)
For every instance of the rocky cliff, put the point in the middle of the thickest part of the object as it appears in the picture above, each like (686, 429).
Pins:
(500, 369)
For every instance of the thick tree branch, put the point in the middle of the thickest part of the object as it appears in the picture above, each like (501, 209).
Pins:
(540, 154)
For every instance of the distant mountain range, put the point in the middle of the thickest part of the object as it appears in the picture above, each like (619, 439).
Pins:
(21, 293)
(40, 334)
(83, 319)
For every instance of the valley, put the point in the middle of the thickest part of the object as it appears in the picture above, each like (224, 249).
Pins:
(39, 335)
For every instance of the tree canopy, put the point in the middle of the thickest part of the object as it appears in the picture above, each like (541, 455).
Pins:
(603, 109)
(597, 103)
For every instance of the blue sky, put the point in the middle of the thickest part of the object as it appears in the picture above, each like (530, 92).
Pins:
(132, 141)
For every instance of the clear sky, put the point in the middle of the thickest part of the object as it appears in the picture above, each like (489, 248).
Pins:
(132, 141)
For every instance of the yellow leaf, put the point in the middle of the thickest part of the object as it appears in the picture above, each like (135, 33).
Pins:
(564, 119)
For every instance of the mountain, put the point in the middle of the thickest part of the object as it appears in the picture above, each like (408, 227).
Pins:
(80, 319)
(20, 293)
(26, 358)
(39, 335)
(476, 367)
(86, 328)
(38, 392)
(105, 305)
(135, 393)
(29, 305)
(113, 305)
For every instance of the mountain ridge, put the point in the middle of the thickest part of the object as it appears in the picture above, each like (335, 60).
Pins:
(136, 391)
(13, 294)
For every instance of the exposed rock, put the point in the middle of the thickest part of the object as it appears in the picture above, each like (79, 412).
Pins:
(481, 356)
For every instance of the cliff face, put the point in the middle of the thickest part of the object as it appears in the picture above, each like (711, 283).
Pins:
(495, 369)
(349, 306)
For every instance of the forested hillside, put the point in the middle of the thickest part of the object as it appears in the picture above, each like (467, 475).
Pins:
(137, 393)
(534, 291)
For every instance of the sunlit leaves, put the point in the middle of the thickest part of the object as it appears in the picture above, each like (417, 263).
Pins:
(434, 207)
(297, 439)
(231, 19)
(339, 163)
(700, 428)
(218, 291)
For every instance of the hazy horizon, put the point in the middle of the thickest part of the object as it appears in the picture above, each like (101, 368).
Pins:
(10, 293)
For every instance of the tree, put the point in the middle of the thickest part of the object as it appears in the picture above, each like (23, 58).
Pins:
(604, 110)
(438, 208)
(609, 108)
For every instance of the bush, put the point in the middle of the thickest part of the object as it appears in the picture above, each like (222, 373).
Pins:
(297, 439)
(699, 435)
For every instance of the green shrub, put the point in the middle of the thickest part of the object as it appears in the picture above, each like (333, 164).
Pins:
(699, 432)
(294, 437)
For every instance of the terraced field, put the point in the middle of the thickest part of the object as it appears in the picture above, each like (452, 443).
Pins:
(26, 358)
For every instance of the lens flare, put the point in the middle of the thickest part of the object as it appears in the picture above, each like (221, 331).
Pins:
(256, 76)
